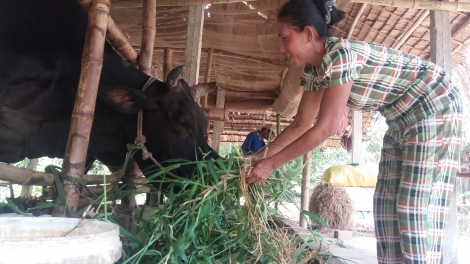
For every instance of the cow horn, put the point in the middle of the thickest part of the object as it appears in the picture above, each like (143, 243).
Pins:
(172, 78)
(201, 89)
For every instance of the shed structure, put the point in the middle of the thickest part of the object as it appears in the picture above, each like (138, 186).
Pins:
(246, 62)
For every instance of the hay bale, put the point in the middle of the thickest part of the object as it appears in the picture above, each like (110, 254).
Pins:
(333, 205)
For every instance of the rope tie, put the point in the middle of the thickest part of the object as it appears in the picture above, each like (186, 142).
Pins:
(140, 139)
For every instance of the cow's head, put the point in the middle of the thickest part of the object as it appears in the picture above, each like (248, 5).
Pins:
(173, 123)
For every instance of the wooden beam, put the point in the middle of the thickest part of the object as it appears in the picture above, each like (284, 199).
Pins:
(218, 125)
(215, 114)
(84, 109)
(420, 4)
(237, 12)
(407, 34)
(115, 37)
(122, 4)
(193, 45)
(356, 19)
(251, 95)
(223, 53)
(148, 36)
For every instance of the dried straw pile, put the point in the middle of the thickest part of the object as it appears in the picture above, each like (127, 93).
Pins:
(333, 205)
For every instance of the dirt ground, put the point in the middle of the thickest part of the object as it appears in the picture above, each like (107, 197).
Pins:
(361, 247)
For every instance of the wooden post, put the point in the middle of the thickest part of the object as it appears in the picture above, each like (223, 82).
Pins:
(305, 187)
(192, 51)
(441, 55)
(148, 36)
(26, 190)
(167, 59)
(357, 137)
(207, 77)
(128, 203)
(218, 125)
(84, 109)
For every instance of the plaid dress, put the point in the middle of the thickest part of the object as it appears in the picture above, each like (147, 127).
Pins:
(420, 154)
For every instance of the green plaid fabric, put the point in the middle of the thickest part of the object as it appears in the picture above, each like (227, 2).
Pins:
(420, 155)
(404, 88)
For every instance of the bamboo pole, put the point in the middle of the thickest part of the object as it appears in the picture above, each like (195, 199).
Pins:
(83, 112)
(415, 25)
(115, 37)
(356, 19)
(197, 2)
(420, 4)
(148, 36)
(207, 77)
(30, 177)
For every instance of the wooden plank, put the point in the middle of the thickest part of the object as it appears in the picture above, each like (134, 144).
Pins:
(357, 137)
(441, 54)
(218, 125)
(84, 109)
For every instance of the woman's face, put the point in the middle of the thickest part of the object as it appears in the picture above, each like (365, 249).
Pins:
(293, 44)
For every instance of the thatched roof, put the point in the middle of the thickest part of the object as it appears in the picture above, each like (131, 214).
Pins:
(247, 61)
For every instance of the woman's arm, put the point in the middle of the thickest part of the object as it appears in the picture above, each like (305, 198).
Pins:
(332, 104)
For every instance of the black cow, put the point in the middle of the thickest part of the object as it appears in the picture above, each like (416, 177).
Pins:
(41, 45)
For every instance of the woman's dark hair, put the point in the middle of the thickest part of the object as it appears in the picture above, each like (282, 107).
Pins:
(321, 14)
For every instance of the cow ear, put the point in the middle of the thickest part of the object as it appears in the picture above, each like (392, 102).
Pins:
(123, 99)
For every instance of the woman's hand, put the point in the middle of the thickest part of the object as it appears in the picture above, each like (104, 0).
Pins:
(260, 173)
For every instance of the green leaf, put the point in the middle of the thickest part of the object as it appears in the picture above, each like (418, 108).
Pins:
(315, 217)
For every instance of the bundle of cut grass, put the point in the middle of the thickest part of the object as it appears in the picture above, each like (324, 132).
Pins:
(333, 205)
(208, 223)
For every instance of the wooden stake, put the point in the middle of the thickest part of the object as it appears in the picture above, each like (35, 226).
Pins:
(148, 36)
(83, 112)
